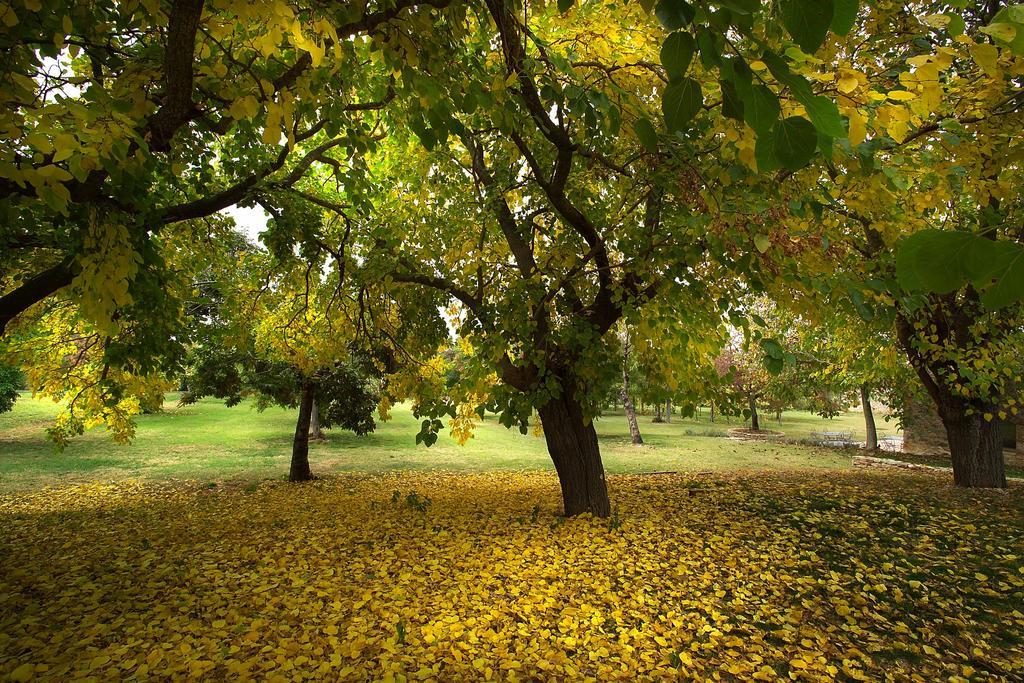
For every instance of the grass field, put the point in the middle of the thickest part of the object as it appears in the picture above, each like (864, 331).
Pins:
(211, 442)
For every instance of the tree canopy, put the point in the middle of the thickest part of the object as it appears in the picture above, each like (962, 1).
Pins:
(526, 177)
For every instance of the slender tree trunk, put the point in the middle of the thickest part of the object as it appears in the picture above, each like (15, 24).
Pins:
(976, 451)
(315, 433)
(657, 413)
(572, 445)
(711, 417)
(627, 402)
(668, 410)
(634, 427)
(871, 440)
(300, 446)
(752, 402)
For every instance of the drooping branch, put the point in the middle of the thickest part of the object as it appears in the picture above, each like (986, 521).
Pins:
(218, 201)
(32, 291)
(474, 304)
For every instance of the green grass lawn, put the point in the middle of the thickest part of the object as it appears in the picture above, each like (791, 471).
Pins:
(209, 441)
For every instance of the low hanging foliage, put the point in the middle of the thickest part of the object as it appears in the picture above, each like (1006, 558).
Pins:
(443, 577)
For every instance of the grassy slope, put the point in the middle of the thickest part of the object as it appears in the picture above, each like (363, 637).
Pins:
(208, 441)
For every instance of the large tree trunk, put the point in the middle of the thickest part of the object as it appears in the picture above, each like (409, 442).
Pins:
(300, 446)
(572, 445)
(976, 451)
(754, 423)
(871, 433)
(315, 433)
(975, 444)
(668, 410)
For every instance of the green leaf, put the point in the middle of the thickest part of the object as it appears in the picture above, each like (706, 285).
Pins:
(1009, 285)
(741, 6)
(732, 105)
(645, 132)
(761, 109)
(984, 259)
(762, 242)
(764, 154)
(933, 261)
(676, 53)
(772, 348)
(780, 70)
(564, 5)
(794, 140)
(674, 14)
(680, 102)
(736, 70)
(825, 116)
(1014, 16)
(997, 268)
(956, 26)
(844, 16)
(807, 21)
(710, 45)
(858, 303)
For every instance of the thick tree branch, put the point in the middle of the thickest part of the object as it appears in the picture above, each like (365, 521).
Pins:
(34, 290)
(521, 251)
(177, 107)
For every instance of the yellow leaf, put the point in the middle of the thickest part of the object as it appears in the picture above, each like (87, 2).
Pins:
(25, 672)
(900, 95)
(986, 56)
(847, 84)
(858, 126)
(8, 16)
(244, 108)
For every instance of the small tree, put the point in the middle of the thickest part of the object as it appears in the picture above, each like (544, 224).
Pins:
(346, 395)
(11, 382)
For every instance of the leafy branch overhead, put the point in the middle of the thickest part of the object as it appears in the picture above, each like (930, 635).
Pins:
(754, 74)
(942, 261)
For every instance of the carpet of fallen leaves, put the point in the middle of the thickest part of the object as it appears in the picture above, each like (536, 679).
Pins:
(452, 577)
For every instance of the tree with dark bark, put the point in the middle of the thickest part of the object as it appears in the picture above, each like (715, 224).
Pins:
(349, 394)
(871, 433)
(561, 232)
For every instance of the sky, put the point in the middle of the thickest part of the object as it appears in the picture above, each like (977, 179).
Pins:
(250, 221)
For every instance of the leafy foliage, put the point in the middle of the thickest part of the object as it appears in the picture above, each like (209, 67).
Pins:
(11, 382)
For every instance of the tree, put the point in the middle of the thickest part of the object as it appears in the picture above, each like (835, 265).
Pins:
(125, 123)
(11, 382)
(558, 234)
(930, 149)
(348, 395)
(840, 350)
(262, 328)
(624, 392)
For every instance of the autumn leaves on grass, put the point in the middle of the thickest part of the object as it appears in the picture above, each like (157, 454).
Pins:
(461, 577)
